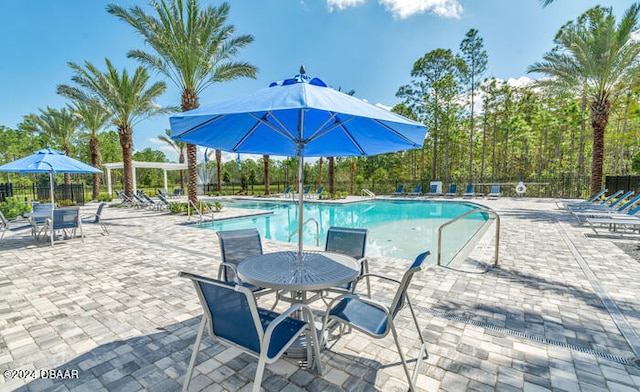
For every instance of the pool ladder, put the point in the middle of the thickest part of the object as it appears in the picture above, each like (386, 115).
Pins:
(198, 211)
(366, 192)
(490, 212)
(303, 225)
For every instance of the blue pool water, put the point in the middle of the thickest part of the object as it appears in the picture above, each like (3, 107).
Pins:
(399, 229)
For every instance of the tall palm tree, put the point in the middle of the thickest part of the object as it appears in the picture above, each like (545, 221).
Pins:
(60, 125)
(129, 98)
(595, 54)
(194, 47)
(94, 117)
(265, 162)
(179, 147)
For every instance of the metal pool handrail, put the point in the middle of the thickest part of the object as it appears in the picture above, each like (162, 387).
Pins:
(303, 225)
(198, 211)
(366, 192)
(490, 212)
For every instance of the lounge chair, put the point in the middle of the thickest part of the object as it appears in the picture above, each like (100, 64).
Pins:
(453, 191)
(433, 191)
(417, 191)
(236, 246)
(603, 210)
(604, 202)
(399, 191)
(231, 315)
(592, 200)
(319, 192)
(629, 220)
(470, 191)
(376, 319)
(126, 200)
(151, 203)
(4, 225)
(351, 242)
(166, 204)
(96, 218)
(286, 192)
(306, 191)
(495, 192)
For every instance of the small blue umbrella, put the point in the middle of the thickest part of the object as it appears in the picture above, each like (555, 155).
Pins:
(48, 161)
(298, 117)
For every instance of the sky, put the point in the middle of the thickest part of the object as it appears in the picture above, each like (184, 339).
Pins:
(364, 45)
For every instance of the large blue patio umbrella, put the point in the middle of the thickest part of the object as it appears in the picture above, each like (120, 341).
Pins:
(48, 161)
(298, 117)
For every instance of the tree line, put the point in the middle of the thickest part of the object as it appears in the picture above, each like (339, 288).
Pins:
(582, 118)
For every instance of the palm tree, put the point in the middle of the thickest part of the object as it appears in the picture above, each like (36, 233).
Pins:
(128, 98)
(194, 48)
(93, 117)
(179, 147)
(595, 54)
(265, 161)
(61, 127)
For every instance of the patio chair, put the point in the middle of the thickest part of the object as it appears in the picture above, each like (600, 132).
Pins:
(177, 192)
(232, 316)
(603, 203)
(351, 242)
(236, 246)
(151, 203)
(319, 192)
(126, 200)
(417, 191)
(42, 211)
(453, 191)
(96, 218)
(598, 210)
(66, 219)
(495, 192)
(4, 225)
(399, 191)
(376, 319)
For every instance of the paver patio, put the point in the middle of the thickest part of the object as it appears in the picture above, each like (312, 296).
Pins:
(560, 312)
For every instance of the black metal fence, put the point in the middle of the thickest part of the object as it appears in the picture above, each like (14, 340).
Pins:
(623, 183)
(62, 192)
(569, 187)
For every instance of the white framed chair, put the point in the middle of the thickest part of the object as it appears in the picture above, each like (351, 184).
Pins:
(351, 242)
(96, 218)
(232, 316)
(376, 319)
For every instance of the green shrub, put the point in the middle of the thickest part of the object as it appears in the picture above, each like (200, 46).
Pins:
(104, 197)
(65, 203)
(14, 207)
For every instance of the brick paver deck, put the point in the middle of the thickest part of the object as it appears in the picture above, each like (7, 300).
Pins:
(560, 312)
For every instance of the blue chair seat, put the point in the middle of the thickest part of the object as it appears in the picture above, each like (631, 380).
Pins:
(362, 316)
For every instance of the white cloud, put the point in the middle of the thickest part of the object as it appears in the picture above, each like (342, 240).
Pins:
(405, 8)
(343, 4)
(522, 81)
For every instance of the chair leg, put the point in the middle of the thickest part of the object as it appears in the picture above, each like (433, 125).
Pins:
(410, 378)
(262, 363)
(194, 354)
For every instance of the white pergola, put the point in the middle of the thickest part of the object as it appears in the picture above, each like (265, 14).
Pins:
(147, 165)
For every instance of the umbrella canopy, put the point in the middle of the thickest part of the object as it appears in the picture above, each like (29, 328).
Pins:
(298, 117)
(49, 161)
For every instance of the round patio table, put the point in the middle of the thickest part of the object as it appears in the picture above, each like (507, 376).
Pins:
(282, 271)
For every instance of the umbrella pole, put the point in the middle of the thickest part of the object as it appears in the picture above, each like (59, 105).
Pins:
(52, 204)
(300, 204)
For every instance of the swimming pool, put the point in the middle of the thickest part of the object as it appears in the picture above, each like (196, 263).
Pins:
(400, 229)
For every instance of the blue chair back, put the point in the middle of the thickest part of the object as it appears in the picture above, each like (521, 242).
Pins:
(42, 208)
(453, 188)
(320, 190)
(400, 188)
(401, 295)
(348, 241)
(66, 218)
(629, 204)
(471, 188)
(634, 211)
(605, 201)
(99, 213)
(495, 189)
(236, 246)
(433, 189)
(597, 195)
(417, 189)
(230, 313)
(621, 199)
